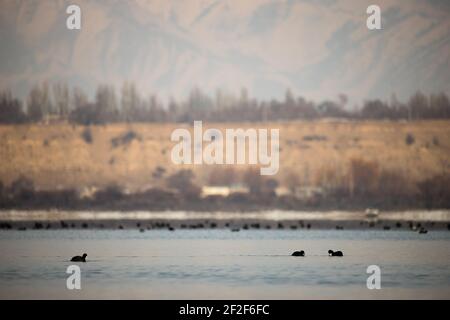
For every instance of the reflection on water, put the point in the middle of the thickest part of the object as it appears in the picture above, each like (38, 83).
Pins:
(224, 264)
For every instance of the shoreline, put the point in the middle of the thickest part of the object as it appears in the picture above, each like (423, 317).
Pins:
(235, 221)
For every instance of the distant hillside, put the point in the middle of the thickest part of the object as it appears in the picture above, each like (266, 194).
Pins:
(62, 155)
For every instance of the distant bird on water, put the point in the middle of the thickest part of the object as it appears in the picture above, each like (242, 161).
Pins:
(298, 253)
(332, 253)
(423, 230)
(79, 258)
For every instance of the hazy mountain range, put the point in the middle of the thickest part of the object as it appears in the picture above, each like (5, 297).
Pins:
(318, 49)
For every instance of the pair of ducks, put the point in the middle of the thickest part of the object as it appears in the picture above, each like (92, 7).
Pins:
(331, 253)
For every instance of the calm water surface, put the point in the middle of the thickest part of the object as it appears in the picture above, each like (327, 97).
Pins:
(219, 264)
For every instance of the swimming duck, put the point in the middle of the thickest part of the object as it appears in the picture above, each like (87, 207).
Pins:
(298, 253)
(332, 253)
(79, 258)
(423, 230)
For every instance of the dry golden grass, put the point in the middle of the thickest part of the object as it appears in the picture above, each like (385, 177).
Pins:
(57, 156)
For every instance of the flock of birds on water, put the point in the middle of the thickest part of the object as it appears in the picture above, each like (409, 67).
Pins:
(160, 225)
(300, 253)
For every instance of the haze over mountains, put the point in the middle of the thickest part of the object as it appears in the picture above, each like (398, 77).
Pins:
(318, 49)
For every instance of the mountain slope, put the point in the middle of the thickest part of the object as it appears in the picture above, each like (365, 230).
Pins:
(317, 48)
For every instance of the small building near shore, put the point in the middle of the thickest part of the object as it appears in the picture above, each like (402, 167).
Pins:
(282, 191)
(308, 192)
(223, 191)
(87, 192)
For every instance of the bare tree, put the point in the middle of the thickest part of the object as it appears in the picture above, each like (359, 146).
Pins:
(39, 105)
(10, 109)
(131, 101)
(79, 98)
(105, 104)
(61, 98)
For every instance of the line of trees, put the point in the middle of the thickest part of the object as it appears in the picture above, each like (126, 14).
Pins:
(58, 102)
(365, 184)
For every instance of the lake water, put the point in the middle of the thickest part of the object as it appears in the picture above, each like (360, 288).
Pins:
(219, 264)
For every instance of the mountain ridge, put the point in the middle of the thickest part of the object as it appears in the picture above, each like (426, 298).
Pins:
(318, 49)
